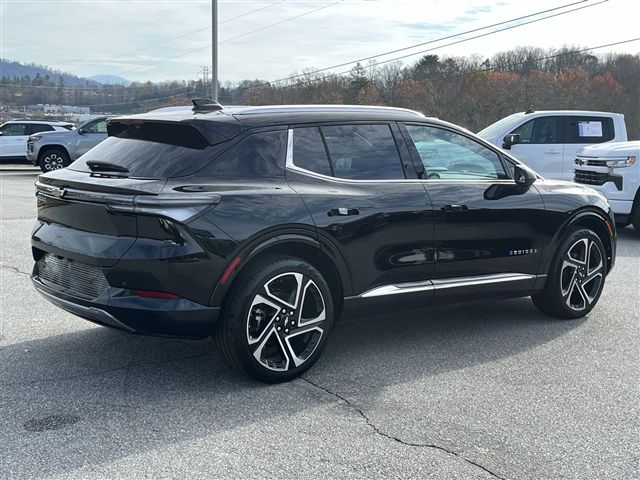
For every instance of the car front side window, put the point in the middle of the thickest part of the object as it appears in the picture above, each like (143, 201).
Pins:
(542, 130)
(14, 129)
(448, 155)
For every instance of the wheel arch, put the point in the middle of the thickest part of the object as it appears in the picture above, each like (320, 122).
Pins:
(321, 254)
(54, 146)
(595, 220)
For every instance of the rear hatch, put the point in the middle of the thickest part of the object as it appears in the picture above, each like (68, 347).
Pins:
(91, 211)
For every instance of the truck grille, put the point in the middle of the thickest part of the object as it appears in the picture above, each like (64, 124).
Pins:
(72, 277)
(591, 178)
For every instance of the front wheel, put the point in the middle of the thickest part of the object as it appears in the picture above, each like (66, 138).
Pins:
(277, 320)
(576, 277)
(53, 159)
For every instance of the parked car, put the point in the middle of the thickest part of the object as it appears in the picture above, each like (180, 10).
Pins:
(614, 170)
(14, 134)
(548, 141)
(261, 225)
(55, 150)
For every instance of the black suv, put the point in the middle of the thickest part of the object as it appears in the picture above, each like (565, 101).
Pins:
(262, 225)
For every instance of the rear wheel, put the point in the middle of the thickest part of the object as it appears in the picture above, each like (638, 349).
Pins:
(576, 277)
(277, 320)
(53, 159)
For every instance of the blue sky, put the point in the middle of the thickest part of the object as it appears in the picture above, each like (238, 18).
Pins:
(136, 38)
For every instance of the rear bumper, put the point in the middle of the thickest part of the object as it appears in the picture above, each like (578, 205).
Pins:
(147, 316)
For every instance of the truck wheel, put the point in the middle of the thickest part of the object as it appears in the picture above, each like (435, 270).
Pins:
(53, 159)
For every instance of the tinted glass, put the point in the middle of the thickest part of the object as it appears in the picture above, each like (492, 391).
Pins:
(14, 129)
(589, 130)
(41, 127)
(309, 152)
(363, 152)
(147, 159)
(258, 155)
(539, 131)
(449, 155)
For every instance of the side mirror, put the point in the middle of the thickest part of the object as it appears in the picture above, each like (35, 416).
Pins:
(0, 134)
(523, 176)
(81, 131)
(511, 139)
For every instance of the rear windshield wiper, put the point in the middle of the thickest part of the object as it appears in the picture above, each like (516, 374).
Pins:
(100, 166)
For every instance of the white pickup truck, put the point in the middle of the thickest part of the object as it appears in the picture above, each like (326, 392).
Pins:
(614, 170)
(548, 140)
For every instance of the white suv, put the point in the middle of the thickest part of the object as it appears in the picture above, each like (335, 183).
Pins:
(614, 170)
(548, 140)
(14, 134)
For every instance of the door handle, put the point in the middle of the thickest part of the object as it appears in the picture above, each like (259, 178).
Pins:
(343, 212)
(455, 208)
(552, 152)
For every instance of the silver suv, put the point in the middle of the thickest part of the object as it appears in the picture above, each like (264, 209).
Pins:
(55, 150)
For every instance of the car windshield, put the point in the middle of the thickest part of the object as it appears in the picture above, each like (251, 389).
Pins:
(499, 126)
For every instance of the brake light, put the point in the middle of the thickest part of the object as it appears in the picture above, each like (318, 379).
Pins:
(152, 294)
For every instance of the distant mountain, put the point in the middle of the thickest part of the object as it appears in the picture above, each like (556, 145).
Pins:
(110, 80)
(11, 68)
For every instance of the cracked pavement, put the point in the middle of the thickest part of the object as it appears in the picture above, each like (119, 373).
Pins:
(489, 390)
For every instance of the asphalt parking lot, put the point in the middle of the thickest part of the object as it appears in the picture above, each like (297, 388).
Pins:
(486, 391)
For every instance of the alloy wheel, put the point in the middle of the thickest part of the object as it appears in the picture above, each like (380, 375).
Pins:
(286, 321)
(582, 274)
(53, 161)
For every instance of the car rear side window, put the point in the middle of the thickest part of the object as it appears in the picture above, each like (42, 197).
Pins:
(257, 155)
(589, 129)
(363, 152)
(540, 130)
(41, 127)
(309, 152)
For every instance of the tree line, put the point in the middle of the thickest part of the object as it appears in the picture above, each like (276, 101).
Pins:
(471, 91)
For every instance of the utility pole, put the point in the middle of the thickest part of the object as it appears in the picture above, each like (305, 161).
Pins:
(214, 50)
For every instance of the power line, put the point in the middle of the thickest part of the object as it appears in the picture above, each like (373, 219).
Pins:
(140, 101)
(293, 77)
(169, 40)
(234, 38)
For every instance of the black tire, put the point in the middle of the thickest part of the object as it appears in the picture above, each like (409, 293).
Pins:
(53, 159)
(268, 343)
(635, 214)
(576, 277)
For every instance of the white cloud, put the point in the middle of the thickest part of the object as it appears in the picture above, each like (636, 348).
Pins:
(89, 37)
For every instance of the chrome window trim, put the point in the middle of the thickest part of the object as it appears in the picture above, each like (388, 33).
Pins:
(289, 165)
(444, 283)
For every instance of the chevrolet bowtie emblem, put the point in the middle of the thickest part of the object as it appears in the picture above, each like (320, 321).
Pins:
(57, 192)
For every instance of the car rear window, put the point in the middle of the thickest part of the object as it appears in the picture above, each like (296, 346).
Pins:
(151, 150)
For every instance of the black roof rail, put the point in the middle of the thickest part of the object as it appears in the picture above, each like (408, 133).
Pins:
(205, 105)
(529, 111)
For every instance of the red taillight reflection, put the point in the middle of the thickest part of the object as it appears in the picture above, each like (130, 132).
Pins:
(227, 273)
(152, 294)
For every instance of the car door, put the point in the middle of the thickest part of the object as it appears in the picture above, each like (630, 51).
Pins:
(486, 230)
(90, 135)
(581, 131)
(541, 146)
(351, 177)
(13, 141)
